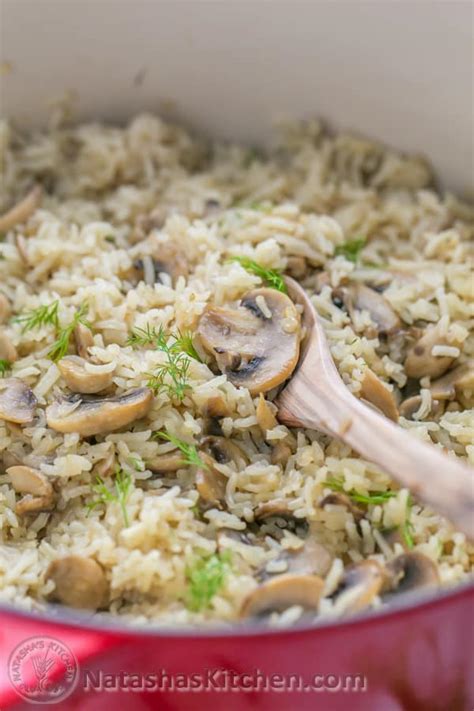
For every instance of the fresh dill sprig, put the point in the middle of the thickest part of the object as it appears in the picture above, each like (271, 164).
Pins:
(171, 376)
(205, 577)
(136, 463)
(189, 451)
(59, 348)
(120, 493)
(181, 341)
(42, 316)
(5, 366)
(351, 249)
(379, 497)
(407, 528)
(272, 277)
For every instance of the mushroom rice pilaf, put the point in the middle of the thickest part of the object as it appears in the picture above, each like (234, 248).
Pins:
(145, 331)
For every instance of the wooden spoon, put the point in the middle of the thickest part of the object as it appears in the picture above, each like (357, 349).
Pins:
(316, 397)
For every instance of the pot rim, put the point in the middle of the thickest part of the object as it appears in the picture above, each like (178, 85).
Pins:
(411, 602)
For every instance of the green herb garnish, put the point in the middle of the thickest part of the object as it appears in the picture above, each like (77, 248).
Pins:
(182, 341)
(189, 451)
(122, 486)
(59, 348)
(42, 316)
(408, 529)
(205, 578)
(272, 277)
(5, 366)
(136, 463)
(379, 497)
(351, 249)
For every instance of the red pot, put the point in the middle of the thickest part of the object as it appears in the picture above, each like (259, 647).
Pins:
(416, 656)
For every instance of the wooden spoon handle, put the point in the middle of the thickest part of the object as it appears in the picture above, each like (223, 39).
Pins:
(434, 477)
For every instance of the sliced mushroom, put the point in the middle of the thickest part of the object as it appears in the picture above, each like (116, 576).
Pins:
(339, 499)
(360, 585)
(17, 401)
(22, 210)
(257, 344)
(165, 258)
(363, 298)
(223, 450)
(281, 452)
(265, 416)
(165, 463)
(36, 487)
(296, 267)
(210, 482)
(412, 404)
(410, 571)
(84, 340)
(282, 591)
(5, 309)
(460, 378)
(276, 507)
(82, 380)
(7, 349)
(89, 415)
(373, 390)
(78, 582)
(420, 361)
(216, 406)
(311, 559)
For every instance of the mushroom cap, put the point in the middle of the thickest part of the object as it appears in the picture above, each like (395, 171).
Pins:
(282, 591)
(419, 360)
(79, 379)
(410, 571)
(89, 415)
(26, 480)
(79, 582)
(210, 482)
(255, 350)
(17, 401)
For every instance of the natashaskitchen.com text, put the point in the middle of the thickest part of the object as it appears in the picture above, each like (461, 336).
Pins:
(222, 680)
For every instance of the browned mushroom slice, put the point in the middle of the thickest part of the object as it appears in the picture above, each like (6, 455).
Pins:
(360, 585)
(420, 361)
(78, 582)
(266, 419)
(374, 391)
(82, 380)
(339, 499)
(165, 258)
(281, 592)
(277, 507)
(296, 267)
(459, 378)
(412, 404)
(281, 452)
(363, 298)
(84, 340)
(311, 559)
(410, 571)
(5, 308)
(37, 489)
(22, 210)
(88, 415)
(165, 463)
(210, 482)
(257, 344)
(216, 406)
(17, 401)
(7, 349)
